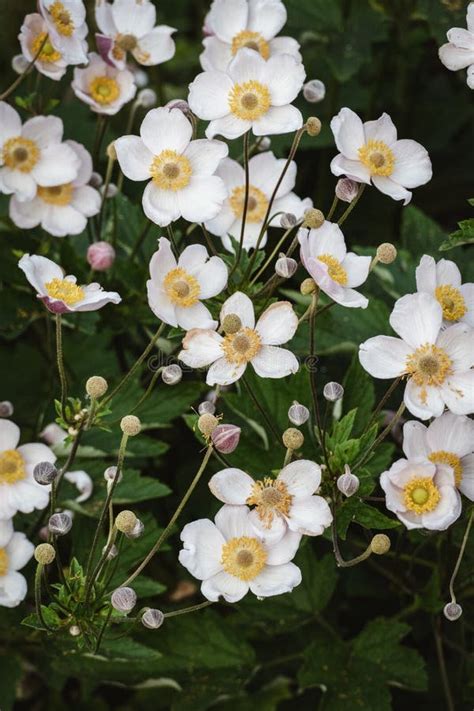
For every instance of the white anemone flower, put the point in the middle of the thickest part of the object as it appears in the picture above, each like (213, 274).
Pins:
(254, 24)
(18, 488)
(437, 363)
(15, 552)
(443, 281)
(458, 52)
(421, 494)
(264, 172)
(252, 94)
(371, 153)
(61, 209)
(32, 154)
(287, 502)
(231, 557)
(448, 440)
(59, 293)
(335, 270)
(103, 87)
(67, 29)
(129, 26)
(182, 182)
(252, 343)
(33, 35)
(176, 288)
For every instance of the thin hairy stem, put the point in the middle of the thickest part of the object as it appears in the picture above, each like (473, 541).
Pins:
(185, 610)
(352, 205)
(460, 556)
(60, 363)
(28, 69)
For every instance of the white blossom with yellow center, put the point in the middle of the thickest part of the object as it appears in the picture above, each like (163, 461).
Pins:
(104, 88)
(422, 494)
(458, 52)
(176, 288)
(34, 38)
(65, 23)
(231, 557)
(370, 152)
(15, 552)
(180, 171)
(443, 281)
(255, 343)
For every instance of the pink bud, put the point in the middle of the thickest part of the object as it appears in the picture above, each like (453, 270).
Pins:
(101, 256)
(226, 438)
(347, 189)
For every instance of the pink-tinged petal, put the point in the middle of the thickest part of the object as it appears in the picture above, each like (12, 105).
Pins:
(277, 324)
(302, 478)
(384, 356)
(223, 584)
(200, 348)
(202, 548)
(232, 486)
(424, 402)
(276, 580)
(348, 133)
(458, 393)
(417, 319)
(222, 372)
(275, 362)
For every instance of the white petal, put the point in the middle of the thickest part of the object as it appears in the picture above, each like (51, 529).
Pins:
(417, 319)
(229, 126)
(232, 486)
(13, 589)
(392, 189)
(275, 362)
(284, 75)
(233, 522)
(423, 402)
(163, 261)
(239, 304)
(353, 169)
(277, 324)
(96, 299)
(447, 511)
(86, 200)
(26, 214)
(265, 170)
(268, 535)
(283, 550)
(200, 348)
(195, 316)
(39, 271)
(384, 356)
(19, 551)
(461, 38)
(63, 220)
(286, 45)
(164, 129)
(134, 157)
(35, 453)
(104, 18)
(208, 95)
(453, 433)
(458, 342)
(132, 17)
(327, 239)
(156, 47)
(458, 393)
(9, 435)
(228, 17)
(212, 277)
(267, 18)
(231, 588)
(426, 275)
(247, 65)
(447, 272)
(467, 292)
(202, 198)
(216, 56)
(160, 206)
(232, 173)
(10, 122)
(383, 129)
(58, 164)
(278, 119)
(455, 58)
(6, 532)
(43, 130)
(357, 269)
(160, 304)
(309, 516)
(222, 372)
(348, 133)
(301, 477)
(415, 443)
(412, 164)
(202, 548)
(275, 580)
(14, 181)
(205, 155)
(467, 482)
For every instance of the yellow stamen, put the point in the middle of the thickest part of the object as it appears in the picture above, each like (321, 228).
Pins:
(335, 269)
(452, 302)
(443, 457)
(252, 40)
(57, 194)
(12, 467)
(256, 205)
(170, 170)
(48, 53)
(65, 290)
(20, 154)
(61, 18)
(421, 495)
(241, 347)
(104, 90)
(182, 288)
(271, 498)
(243, 557)
(3, 562)
(428, 366)
(249, 101)
(377, 157)
(126, 42)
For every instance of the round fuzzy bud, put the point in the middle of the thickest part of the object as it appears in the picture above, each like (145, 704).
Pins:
(6, 409)
(96, 386)
(207, 423)
(288, 220)
(285, 266)
(45, 473)
(130, 425)
(100, 256)
(140, 76)
(452, 611)
(231, 324)
(313, 218)
(346, 189)
(96, 180)
(125, 521)
(333, 391)
(19, 64)
(314, 91)
(74, 630)
(110, 474)
(152, 619)
(308, 286)
(348, 483)
(265, 144)
(298, 414)
(124, 599)
(380, 544)
(171, 374)
(45, 553)
(137, 530)
(60, 524)
(111, 190)
(386, 253)
(146, 98)
(293, 438)
(313, 126)
(226, 438)
(111, 152)
(206, 408)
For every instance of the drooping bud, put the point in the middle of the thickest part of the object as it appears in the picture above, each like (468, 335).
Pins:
(347, 483)
(226, 438)
(19, 64)
(171, 374)
(111, 473)
(313, 218)
(60, 524)
(152, 619)
(44, 554)
(137, 530)
(380, 544)
(96, 386)
(180, 104)
(96, 180)
(298, 414)
(288, 220)
(314, 91)
(313, 126)
(113, 552)
(6, 409)
(285, 266)
(346, 189)
(265, 144)
(146, 98)
(386, 253)
(111, 151)
(452, 611)
(293, 438)
(207, 423)
(308, 286)
(100, 256)
(125, 521)
(45, 473)
(74, 631)
(124, 599)
(231, 323)
(206, 408)
(333, 391)
(130, 425)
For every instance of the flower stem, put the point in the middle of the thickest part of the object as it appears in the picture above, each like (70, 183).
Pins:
(352, 205)
(28, 69)
(39, 611)
(60, 363)
(273, 254)
(140, 239)
(105, 187)
(262, 411)
(332, 208)
(192, 608)
(460, 556)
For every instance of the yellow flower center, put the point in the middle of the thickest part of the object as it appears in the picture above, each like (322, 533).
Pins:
(271, 498)
(61, 18)
(126, 42)
(12, 467)
(256, 205)
(3, 562)
(20, 154)
(170, 170)
(443, 457)
(421, 495)
(182, 288)
(104, 90)
(428, 366)
(335, 269)
(57, 194)
(243, 557)
(48, 53)
(65, 290)
(249, 101)
(242, 346)
(377, 157)
(452, 302)
(252, 40)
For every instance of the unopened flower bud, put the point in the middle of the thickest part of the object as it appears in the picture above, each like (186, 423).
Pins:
(346, 189)
(171, 374)
(124, 599)
(207, 423)
(231, 323)
(111, 151)
(130, 425)
(74, 631)
(314, 91)
(45, 473)
(288, 220)
(96, 386)
(137, 530)
(125, 521)
(19, 64)
(298, 414)
(140, 76)
(347, 483)
(6, 409)
(179, 104)
(285, 266)
(313, 126)
(45, 553)
(333, 391)
(452, 611)
(380, 544)
(110, 191)
(152, 619)
(293, 438)
(206, 408)
(43, 533)
(96, 180)
(60, 524)
(226, 438)
(386, 253)
(113, 552)
(313, 218)
(308, 286)
(100, 256)
(146, 98)
(264, 144)
(110, 474)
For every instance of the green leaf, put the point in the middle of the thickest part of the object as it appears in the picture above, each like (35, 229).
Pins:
(465, 235)
(354, 510)
(134, 488)
(10, 675)
(359, 393)
(420, 234)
